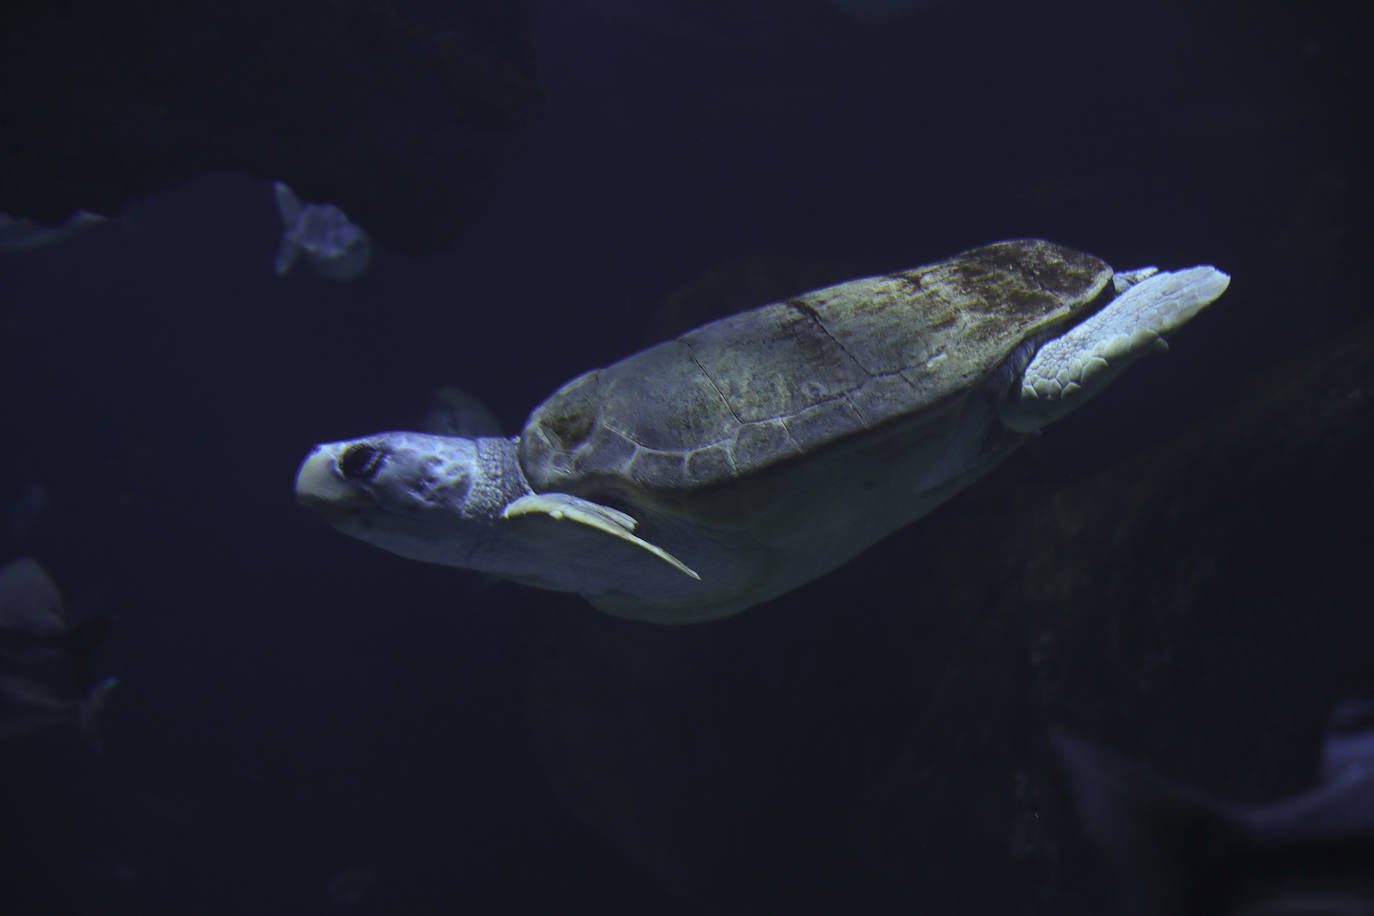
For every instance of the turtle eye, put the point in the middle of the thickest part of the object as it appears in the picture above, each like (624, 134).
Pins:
(361, 462)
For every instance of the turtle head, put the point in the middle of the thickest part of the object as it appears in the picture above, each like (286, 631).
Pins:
(465, 502)
(426, 497)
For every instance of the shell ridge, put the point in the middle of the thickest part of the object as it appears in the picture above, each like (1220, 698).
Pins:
(691, 354)
(810, 312)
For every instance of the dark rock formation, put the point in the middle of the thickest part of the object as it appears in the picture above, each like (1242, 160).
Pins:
(1202, 606)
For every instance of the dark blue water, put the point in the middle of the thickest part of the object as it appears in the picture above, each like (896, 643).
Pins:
(308, 725)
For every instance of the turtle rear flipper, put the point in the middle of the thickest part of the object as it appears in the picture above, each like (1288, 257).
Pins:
(1069, 369)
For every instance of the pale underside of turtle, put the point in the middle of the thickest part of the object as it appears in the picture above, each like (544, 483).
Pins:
(732, 464)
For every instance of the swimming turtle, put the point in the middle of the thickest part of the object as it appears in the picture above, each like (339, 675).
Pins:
(744, 458)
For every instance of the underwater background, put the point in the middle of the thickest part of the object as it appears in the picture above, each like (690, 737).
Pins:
(307, 725)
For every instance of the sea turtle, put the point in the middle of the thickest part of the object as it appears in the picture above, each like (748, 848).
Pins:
(744, 458)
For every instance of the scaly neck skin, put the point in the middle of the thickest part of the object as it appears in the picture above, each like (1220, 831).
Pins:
(495, 546)
(497, 479)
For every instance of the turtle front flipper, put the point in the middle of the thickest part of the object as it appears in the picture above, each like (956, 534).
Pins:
(565, 507)
(1069, 369)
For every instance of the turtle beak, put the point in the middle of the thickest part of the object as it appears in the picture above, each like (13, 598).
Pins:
(320, 486)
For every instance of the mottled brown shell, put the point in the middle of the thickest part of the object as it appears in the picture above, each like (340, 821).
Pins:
(736, 396)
